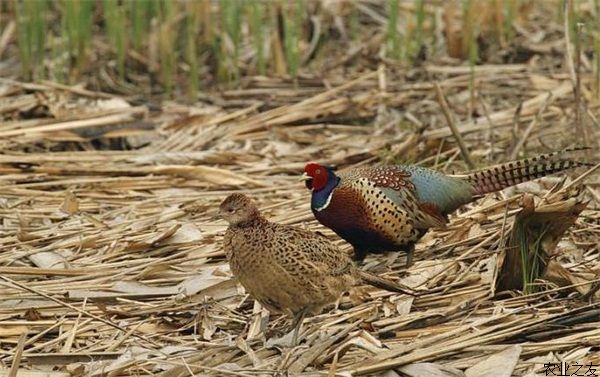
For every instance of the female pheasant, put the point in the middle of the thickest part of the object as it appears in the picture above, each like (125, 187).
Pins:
(287, 269)
(389, 208)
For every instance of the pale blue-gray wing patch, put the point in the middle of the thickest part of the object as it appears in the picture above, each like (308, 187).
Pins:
(447, 193)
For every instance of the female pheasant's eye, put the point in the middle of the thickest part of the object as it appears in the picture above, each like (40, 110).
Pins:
(231, 210)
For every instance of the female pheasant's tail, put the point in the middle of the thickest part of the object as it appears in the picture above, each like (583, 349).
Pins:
(386, 284)
(501, 176)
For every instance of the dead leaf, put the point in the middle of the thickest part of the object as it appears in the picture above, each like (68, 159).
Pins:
(208, 277)
(562, 277)
(425, 270)
(430, 370)
(112, 104)
(70, 204)
(49, 259)
(500, 364)
(259, 322)
(188, 232)
(208, 327)
(404, 305)
(153, 239)
(32, 314)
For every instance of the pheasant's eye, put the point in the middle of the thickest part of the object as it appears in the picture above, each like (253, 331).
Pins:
(318, 171)
(231, 210)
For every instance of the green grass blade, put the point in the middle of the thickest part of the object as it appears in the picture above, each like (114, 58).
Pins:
(116, 27)
(191, 52)
(140, 15)
(167, 46)
(77, 31)
(31, 36)
(420, 15)
(393, 36)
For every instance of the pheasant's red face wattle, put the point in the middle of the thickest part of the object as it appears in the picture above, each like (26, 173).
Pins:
(318, 176)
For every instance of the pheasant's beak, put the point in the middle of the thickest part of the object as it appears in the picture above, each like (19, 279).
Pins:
(305, 177)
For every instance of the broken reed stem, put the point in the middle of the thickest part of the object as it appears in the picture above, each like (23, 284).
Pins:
(446, 110)
(73, 307)
(187, 366)
(568, 47)
(533, 123)
(14, 368)
(515, 124)
(490, 135)
(574, 182)
(574, 68)
(578, 80)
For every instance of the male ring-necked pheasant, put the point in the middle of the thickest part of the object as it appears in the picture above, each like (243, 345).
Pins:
(285, 268)
(389, 208)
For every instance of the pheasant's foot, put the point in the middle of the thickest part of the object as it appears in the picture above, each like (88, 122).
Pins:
(291, 339)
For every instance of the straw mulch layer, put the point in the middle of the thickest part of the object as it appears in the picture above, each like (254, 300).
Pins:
(110, 256)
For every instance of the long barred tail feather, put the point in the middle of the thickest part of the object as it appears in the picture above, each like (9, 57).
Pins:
(498, 177)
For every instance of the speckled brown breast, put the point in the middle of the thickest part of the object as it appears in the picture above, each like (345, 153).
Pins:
(287, 269)
(363, 215)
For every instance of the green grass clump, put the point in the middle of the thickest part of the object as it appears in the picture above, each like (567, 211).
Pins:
(192, 27)
(140, 14)
(532, 264)
(394, 47)
(510, 10)
(167, 46)
(31, 36)
(292, 24)
(77, 31)
(115, 17)
(354, 24)
(177, 42)
(230, 40)
(419, 32)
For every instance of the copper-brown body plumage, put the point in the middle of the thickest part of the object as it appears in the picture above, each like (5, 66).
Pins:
(389, 208)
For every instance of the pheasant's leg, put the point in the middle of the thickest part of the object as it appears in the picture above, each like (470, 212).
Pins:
(297, 323)
(359, 255)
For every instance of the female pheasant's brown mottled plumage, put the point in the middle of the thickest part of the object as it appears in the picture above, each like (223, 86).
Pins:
(287, 269)
(388, 208)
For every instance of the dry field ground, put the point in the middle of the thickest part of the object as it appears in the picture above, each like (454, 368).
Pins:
(110, 255)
